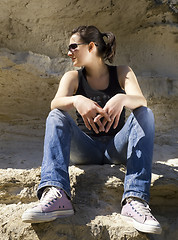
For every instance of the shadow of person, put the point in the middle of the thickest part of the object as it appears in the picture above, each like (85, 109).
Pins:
(164, 189)
(99, 187)
(69, 230)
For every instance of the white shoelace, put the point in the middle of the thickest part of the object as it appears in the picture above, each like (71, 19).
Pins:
(49, 194)
(140, 206)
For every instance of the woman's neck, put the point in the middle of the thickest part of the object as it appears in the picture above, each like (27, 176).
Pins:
(96, 69)
(97, 75)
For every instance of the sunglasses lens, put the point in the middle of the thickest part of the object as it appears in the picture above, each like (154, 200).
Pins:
(72, 46)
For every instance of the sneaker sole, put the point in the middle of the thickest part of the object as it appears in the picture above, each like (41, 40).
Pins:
(142, 227)
(45, 217)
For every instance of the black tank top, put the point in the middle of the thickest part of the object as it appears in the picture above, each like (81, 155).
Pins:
(101, 97)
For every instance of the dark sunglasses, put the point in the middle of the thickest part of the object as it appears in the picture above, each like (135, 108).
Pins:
(73, 46)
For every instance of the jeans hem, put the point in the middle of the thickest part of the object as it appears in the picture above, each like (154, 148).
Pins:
(52, 184)
(136, 195)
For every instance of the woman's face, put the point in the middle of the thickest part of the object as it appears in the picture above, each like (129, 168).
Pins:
(80, 53)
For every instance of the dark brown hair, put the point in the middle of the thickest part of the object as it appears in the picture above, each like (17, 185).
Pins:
(106, 49)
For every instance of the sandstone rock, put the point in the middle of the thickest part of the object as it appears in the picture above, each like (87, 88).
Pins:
(96, 195)
(33, 57)
(146, 30)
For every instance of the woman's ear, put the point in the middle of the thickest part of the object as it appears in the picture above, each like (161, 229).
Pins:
(91, 46)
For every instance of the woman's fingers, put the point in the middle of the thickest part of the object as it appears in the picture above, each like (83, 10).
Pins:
(86, 123)
(101, 127)
(100, 120)
(92, 124)
(109, 124)
(97, 118)
(116, 121)
(103, 113)
(89, 122)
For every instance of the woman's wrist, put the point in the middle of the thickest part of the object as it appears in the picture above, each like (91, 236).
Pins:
(122, 99)
(75, 100)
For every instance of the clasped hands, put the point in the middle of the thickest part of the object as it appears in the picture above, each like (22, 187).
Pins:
(94, 115)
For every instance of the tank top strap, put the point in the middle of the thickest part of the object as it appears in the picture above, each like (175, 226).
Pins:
(80, 82)
(114, 86)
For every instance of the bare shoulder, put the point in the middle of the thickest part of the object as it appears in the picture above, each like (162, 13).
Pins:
(68, 84)
(125, 74)
(123, 70)
(70, 79)
(71, 75)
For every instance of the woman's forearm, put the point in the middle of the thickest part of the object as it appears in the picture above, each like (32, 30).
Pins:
(63, 103)
(134, 101)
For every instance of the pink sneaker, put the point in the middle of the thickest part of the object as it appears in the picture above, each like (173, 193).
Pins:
(138, 213)
(53, 204)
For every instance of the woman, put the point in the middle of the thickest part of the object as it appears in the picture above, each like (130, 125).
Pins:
(99, 93)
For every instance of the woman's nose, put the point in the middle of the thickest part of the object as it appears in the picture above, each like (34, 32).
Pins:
(69, 53)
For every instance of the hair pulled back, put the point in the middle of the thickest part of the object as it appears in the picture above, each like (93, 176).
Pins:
(106, 49)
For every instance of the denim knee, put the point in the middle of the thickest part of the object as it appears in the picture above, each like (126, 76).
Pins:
(57, 116)
(144, 110)
(56, 113)
(145, 117)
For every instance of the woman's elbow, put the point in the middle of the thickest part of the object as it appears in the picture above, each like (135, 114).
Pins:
(144, 102)
(52, 105)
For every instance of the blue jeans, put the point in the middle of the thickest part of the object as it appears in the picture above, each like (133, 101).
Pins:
(132, 145)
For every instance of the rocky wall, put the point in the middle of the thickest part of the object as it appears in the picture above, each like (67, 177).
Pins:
(34, 36)
(146, 30)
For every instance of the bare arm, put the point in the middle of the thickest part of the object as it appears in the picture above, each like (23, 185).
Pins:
(64, 98)
(134, 97)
